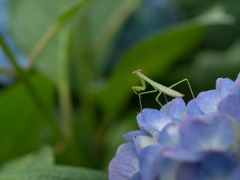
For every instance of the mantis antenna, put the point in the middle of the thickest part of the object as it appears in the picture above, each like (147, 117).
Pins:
(142, 59)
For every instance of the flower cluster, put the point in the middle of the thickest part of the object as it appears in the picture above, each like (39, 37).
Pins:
(197, 141)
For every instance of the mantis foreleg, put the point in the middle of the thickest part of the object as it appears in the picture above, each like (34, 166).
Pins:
(138, 89)
(145, 93)
(141, 88)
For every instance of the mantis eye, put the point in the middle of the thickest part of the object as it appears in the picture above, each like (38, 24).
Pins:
(139, 70)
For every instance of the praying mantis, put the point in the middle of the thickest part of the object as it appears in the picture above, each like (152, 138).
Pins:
(157, 87)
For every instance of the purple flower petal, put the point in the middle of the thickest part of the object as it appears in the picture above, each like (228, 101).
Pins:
(236, 88)
(135, 177)
(129, 146)
(199, 135)
(193, 110)
(124, 166)
(177, 108)
(136, 146)
(153, 118)
(169, 136)
(238, 78)
(129, 136)
(176, 121)
(224, 86)
(166, 107)
(207, 101)
(144, 141)
(147, 129)
(230, 105)
(150, 157)
(179, 154)
(168, 169)
(217, 166)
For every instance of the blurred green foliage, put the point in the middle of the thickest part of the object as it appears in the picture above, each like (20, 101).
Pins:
(73, 97)
(40, 165)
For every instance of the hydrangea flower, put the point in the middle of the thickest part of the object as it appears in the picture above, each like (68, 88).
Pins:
(197, 141)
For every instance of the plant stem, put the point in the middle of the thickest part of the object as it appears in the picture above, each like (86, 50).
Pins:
(8, 52)
(8, 72)
(51, 32)
(63, 83)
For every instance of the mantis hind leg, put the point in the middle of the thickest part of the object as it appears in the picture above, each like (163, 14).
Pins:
(160, 92)
(165, 97)
(181, 82)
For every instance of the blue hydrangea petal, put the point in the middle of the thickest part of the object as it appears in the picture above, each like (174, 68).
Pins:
(128, 146)
(193, 110)
(215, 165)
(124, 166)
(176, 121)
(180, 154)
(177, 108)
(209, 117)
(148, 129)
(166, 107)
(236, 88)
(153, 118)
(129, 136)
(137, 176)
(189, 171)
(207, 101)
(169, 136)
(168, 169)
(136, 146)
(238, 78)
(198, 135)
(230, 105)
(144, 141)
(224, 86)
(149, 163)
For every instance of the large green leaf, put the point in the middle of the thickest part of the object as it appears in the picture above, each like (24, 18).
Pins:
(30, 20)
(43, 157)
(22, 123)
(55, 173)
(162, 50)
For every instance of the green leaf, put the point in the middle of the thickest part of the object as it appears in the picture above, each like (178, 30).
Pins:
(43, 157)
(32, 19)
(55, 173)
(23, 125)
(162, 50)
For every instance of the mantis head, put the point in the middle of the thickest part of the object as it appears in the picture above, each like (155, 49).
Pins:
(135, 72)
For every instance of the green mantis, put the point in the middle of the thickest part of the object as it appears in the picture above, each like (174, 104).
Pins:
(157, 87)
